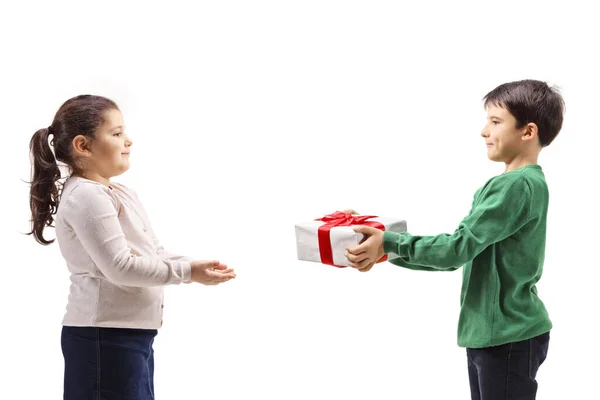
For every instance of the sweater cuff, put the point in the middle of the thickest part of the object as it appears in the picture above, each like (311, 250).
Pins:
(186, 269)
(390, 242)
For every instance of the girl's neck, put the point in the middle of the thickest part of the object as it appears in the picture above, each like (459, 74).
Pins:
(94, 177)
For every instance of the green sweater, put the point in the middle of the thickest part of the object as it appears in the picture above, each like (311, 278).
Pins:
(501, 244)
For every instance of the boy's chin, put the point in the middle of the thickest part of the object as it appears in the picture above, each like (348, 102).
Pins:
(491, 157)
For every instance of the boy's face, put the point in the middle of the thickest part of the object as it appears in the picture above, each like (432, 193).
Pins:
(501, 135)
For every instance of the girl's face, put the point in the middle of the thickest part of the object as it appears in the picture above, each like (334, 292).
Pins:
(108, 154)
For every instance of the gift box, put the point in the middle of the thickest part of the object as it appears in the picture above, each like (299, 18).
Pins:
(325, 239)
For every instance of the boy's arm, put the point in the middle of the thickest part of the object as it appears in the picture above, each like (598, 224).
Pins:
(501, 212)
(416, 267)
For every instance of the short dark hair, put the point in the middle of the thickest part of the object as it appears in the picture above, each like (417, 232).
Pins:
(531, 101)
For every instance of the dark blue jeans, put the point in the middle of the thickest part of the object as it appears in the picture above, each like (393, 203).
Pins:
(507, 371)
(108, 363)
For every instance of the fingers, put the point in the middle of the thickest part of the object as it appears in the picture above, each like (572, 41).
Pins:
(206, 264)
(360, 264)
(363, 265)
(367, 230)
(356, 257)
(228, 271)
(217, 281)
(220, 266)
(221, 276)
(367, 268)
(350, 211)
(211, 272)
(356, 250)
(223, 269)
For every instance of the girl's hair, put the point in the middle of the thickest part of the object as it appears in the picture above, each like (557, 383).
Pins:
(80, 115)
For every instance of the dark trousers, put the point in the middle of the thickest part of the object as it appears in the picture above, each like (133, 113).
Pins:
(507, 371)
(108, 363)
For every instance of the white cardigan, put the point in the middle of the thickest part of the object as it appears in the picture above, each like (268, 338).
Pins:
(118, 268)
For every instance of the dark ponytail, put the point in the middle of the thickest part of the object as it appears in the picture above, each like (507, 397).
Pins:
(81, 115)
(43, 194)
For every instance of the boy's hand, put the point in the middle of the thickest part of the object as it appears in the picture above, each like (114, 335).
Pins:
(366, 254)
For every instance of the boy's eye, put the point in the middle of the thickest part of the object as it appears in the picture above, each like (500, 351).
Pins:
(495, 122)
(117, 134)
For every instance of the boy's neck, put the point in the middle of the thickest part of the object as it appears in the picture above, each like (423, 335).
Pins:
(520, 162)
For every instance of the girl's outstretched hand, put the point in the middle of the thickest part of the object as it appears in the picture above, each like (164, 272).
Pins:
(211, 272)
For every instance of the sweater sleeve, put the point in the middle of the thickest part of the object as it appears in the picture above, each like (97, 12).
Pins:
(93, 216)
(417, 267)
(501, 211)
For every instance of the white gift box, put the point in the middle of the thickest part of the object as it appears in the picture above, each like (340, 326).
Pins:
(340, 237)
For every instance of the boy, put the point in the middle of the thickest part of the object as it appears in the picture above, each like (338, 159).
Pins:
(503, 324)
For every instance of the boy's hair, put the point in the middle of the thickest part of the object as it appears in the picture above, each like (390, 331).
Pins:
(531, 101)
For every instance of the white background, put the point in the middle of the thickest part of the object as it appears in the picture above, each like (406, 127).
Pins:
(250, 116)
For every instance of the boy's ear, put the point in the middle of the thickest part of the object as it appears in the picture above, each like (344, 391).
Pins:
(530, 131)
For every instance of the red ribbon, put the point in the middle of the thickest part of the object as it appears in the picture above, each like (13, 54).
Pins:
(340, 218)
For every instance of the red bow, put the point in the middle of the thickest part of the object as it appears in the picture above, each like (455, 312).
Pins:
(340, 218)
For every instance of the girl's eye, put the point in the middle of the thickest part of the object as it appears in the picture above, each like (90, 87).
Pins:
(118, 134)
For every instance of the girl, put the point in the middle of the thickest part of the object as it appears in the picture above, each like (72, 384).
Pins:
(118, 268)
